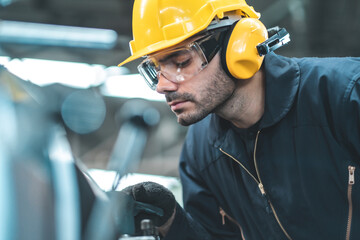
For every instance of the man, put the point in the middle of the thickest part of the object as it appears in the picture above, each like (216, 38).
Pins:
(273, 147)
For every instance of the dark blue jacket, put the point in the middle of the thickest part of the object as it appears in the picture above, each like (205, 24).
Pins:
(290, 177)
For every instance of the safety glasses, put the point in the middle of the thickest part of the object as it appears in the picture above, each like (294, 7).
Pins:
(182, 63)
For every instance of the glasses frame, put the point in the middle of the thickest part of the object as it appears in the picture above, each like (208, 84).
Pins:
(206, 46)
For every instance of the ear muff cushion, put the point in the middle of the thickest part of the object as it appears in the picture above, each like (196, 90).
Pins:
(225, 40)
(240, 57)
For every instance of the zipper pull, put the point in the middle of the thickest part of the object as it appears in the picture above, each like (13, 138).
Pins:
(351, 175)
(261, 187)
(222, 213)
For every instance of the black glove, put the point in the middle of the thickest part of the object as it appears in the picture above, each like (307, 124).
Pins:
(154, 194)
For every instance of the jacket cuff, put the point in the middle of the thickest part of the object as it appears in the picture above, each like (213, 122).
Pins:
(179, 225)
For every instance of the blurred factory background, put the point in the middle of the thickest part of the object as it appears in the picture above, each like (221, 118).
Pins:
(67, 45)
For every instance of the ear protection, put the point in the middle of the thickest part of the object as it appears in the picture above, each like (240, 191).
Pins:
(239, 56)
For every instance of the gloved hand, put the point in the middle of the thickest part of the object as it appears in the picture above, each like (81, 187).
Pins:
(154, 194)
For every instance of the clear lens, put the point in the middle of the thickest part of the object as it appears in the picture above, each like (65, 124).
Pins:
(182, 64)
(175, 65)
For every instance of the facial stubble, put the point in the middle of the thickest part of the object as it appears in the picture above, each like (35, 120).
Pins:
(217, 91)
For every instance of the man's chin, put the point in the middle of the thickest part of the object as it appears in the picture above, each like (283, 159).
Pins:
(186, 120)
(182, 119)
(183, 122)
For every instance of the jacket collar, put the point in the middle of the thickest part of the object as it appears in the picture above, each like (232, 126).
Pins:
(282, 76)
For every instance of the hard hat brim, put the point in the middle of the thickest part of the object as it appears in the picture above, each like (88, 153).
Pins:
(154, 48)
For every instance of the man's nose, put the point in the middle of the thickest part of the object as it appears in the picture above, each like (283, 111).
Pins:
(164, 85)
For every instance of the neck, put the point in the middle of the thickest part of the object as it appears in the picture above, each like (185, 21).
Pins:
(246, 106)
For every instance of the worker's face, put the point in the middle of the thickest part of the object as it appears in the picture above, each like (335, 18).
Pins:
(194, 98)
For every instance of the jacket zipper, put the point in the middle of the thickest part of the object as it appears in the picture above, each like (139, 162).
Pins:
(350, 185)
(259, 182)
(258, 174)
(224, 214)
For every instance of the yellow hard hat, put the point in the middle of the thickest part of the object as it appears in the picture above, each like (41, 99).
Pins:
(159, 24)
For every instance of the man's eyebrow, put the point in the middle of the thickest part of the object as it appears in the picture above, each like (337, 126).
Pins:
(188, 41)
(169, 56)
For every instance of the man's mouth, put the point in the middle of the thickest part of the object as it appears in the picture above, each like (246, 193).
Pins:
(178, 102)
(177, 105)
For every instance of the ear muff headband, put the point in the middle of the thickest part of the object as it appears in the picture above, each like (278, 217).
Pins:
(240, 57)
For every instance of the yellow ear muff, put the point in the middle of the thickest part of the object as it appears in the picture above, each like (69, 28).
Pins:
(241, 56)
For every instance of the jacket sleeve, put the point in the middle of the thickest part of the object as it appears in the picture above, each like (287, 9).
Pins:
(200, 218)
(184, 227)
